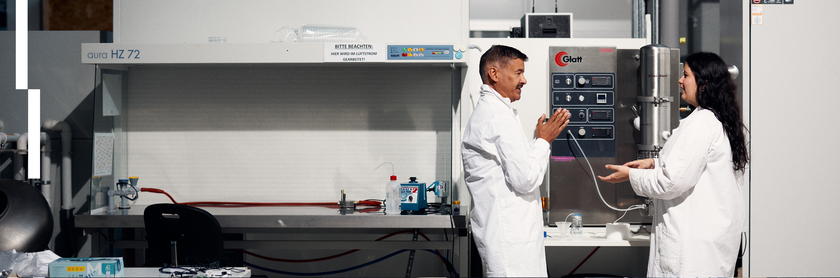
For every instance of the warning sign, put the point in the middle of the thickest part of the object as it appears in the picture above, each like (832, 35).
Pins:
(354, 52)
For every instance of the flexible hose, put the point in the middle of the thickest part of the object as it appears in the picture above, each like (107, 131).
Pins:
(633, 207)
(252, 204)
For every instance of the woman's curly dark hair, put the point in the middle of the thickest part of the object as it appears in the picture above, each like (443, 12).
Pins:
(717, 92)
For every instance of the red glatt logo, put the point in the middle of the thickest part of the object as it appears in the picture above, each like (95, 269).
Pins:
(563, 59)
(559, 58)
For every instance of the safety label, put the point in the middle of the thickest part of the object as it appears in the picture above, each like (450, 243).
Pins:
(354, 52)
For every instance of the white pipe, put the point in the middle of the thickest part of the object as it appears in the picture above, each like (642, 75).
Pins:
(66, 163)
(21, 150)
(46, 186)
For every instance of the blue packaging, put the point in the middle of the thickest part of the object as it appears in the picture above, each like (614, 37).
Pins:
(87, 267)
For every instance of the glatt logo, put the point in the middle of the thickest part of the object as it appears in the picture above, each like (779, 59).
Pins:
(563, 59)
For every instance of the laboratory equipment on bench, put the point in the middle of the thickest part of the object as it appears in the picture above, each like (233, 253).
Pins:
(600, 86)
(127, 190)
(392, 196)
(577, 224)
(346, 206)
(413, 197)
(456, 207)
(392, 192)
(441, 189)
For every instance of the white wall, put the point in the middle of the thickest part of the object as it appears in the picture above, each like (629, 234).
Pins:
(794, 119)
(284, 134)
(591, 19)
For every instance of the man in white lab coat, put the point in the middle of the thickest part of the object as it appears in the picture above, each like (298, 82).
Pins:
(504, 169)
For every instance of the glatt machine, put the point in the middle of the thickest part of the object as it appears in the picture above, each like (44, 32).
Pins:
(607, 90)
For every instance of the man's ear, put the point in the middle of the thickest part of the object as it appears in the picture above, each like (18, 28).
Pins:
(493, 74)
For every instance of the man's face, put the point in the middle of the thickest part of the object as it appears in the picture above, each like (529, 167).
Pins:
(510, 78)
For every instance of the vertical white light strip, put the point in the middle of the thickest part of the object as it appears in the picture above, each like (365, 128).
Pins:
(22, 45)
(33, 168)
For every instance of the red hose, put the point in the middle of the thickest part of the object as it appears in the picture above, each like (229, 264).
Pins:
(584, 260)
(252, 204)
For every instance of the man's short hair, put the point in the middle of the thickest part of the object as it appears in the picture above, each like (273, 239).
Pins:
(501, 54)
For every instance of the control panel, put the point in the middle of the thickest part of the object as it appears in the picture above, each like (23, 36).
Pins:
(582, 84)
(423, 52)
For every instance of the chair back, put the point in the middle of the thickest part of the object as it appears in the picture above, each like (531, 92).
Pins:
(197, 233)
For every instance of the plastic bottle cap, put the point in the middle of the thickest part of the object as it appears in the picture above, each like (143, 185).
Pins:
(456, 202)
(393, 178)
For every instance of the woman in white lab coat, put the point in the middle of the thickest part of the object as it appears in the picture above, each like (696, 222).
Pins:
(696, 182)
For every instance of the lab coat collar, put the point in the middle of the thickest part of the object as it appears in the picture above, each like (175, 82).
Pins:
(487, 90)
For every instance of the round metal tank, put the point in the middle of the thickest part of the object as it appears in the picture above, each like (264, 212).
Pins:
(26, 221)
(655, 71)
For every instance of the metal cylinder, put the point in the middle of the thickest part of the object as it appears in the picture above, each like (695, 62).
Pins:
(669, 22)
(653, 99)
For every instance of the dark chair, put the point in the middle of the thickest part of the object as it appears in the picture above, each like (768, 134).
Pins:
(195, 232)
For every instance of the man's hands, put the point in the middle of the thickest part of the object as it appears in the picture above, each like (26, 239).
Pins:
(550, 129)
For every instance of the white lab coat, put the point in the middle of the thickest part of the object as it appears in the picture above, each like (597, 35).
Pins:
(698, 206)
(503, 170)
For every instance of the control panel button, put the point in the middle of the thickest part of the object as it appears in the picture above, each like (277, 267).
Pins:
(568, 98)
(568, 81)
(581, 132)
(581, 81)
(601, 98)
(581, 98)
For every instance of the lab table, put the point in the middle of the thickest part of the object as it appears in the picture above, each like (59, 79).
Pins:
(311, 219)
(305, 227)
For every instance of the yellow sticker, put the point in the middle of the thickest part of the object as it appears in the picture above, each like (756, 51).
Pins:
(75, 268)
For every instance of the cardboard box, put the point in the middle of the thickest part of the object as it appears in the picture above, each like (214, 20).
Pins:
(87, 267)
